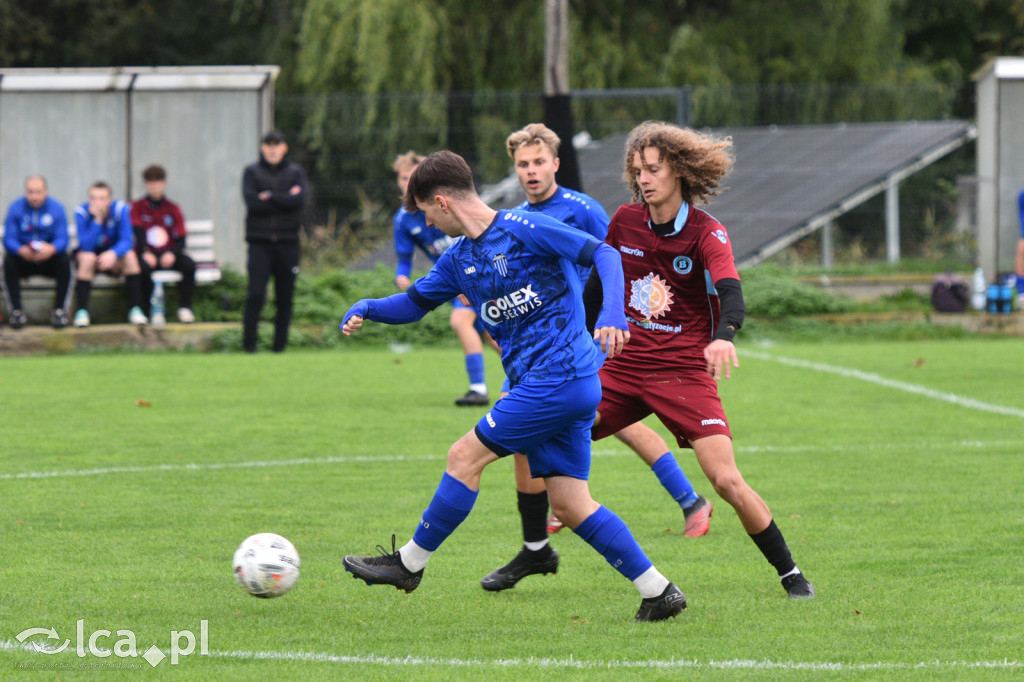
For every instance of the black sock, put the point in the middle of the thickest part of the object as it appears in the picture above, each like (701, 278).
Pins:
(773, 546)
(533, 510)
(133, 286)
(83, 288)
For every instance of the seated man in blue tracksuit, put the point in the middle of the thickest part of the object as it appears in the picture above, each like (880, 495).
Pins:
(36, 243)
(106, 242)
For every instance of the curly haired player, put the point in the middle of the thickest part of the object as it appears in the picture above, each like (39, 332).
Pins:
(684, 303)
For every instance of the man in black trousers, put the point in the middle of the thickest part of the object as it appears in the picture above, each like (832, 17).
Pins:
(274, 189)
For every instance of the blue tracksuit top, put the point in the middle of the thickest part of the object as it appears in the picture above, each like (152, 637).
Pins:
(115, 233)
(25, 224)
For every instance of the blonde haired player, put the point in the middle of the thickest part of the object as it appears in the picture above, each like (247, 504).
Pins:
(534, 152)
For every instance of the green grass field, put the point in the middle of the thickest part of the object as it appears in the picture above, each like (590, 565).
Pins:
(127, 481)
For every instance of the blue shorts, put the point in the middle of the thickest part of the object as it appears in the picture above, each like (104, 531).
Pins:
(549, 422)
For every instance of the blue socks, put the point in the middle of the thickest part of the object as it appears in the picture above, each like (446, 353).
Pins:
(674, 480)
(449, 507)
(475, 368)
(608, 534)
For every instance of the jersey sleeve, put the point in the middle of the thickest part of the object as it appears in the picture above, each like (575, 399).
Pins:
(595, 220)
(717, 252)
(125, 233)
(439, 285)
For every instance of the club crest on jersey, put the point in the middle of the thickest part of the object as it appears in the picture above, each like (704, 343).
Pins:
(501, 263)
(650, 296)
(682, 264)
(510, 306)
(720, 236)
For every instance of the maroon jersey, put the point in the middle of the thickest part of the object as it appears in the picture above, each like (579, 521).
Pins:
(159, 226)
(670, 299)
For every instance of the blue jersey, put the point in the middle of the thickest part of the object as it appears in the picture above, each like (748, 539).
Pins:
(115, 233)
(25, 224)
(520, 276)
(412, 231)
(575, 209)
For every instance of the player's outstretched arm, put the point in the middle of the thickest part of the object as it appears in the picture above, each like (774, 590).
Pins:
(396, 309)
(611, 328)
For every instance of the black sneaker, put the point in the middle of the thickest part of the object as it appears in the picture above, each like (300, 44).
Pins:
(386, 569)
(18, 319)
(59, 318)
(798, 586)
(473, 399)
(668, 604)
(527, 562)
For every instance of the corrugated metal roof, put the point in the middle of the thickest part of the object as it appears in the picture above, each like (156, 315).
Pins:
(789, 180)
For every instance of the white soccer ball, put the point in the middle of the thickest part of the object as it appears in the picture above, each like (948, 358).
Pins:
(266, 565)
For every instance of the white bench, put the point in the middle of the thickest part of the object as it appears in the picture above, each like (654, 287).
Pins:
(198, 245)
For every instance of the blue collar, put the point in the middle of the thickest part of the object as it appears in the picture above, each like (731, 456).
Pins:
(680, 221)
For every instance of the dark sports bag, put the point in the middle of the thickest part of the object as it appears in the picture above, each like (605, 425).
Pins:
(950, 294)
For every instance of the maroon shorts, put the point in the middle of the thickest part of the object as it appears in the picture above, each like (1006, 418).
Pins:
(685, 398)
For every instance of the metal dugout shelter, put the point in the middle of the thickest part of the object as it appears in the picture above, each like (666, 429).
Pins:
(76, 126)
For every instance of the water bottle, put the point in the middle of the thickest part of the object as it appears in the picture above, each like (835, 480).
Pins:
(978, 290)
(157, 318)
(992, 301)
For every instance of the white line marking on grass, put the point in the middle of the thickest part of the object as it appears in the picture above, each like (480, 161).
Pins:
(889, 383)
(575, 663)
(303, 461)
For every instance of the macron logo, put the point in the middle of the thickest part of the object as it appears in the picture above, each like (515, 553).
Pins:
(490, 420)
(709, 422)
(631, 252)
(470, 270)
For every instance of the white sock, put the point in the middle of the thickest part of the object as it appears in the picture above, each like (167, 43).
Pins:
(479, 388)
(414, 557)
(793, 572)
(534, 546)
(651, 583)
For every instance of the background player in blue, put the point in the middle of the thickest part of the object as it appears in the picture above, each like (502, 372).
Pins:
(518, 269)
(412, 232)
(534, 152)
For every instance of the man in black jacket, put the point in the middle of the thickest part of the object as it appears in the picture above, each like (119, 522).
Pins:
(274, 189)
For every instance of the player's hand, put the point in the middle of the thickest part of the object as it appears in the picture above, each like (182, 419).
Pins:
(295, 190)
(265, 195)
(719, 354)
(167, 260)
(612, 340)
(353, 319)
(150, 259)
(106, 260)
(45, 251)
(402, 282)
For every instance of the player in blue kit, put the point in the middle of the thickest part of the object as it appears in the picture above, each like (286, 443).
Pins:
(412, 232)
(519, 270)
(534, 152)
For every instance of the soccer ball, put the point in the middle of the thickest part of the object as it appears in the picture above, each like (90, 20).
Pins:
(266, 565)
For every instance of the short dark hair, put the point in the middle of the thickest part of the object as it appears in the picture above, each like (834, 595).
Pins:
(441, 170)
(154, 173)
(102, 184)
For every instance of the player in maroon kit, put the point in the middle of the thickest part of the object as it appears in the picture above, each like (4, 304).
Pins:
(160, 239)
(684, 304)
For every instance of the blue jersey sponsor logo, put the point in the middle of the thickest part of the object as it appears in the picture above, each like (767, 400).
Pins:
(509, 306)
